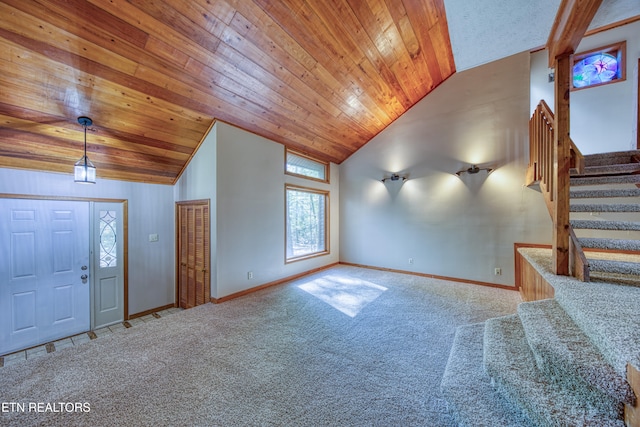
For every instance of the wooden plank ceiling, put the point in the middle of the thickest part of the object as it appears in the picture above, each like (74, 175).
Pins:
(319, 76)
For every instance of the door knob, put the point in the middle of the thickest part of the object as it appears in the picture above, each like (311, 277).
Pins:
(84, 267)
(84, 277)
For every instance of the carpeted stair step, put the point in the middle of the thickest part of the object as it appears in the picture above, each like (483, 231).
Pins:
(616, 244)
(622, 279)
(598, 207)
(510, 363)
(467, 388)
(627, 168)
(565, 353)
(579, 224)
(588, 194)
(605, 311)
(610, 158)
(578, 180)
(615, 267)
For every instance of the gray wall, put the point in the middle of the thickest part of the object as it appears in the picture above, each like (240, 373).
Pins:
(460, 227)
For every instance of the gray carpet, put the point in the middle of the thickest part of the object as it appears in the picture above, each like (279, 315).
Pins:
(565, 354)
(346, 346)
(588, 194)
(607, 313)
(599, 180)
(615, 157)
(508, 359)
(468, 389)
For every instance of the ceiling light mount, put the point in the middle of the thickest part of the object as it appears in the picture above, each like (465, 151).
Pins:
(84, 171)
(394, 177)
(474, 169)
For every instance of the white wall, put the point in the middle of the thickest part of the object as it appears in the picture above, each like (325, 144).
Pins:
(250, 217)
(455, 227)
(603, 118)
(243, 175)
(198, 182)
(151, 264)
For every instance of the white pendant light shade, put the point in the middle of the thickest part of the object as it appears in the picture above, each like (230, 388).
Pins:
(84, 171)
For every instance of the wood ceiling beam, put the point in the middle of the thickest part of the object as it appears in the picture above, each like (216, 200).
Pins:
(571, 23)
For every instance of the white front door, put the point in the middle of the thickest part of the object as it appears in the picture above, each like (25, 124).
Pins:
(108, 264)
(44, 271)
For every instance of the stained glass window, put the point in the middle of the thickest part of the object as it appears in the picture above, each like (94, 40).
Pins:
(108, 237)
(598, 67)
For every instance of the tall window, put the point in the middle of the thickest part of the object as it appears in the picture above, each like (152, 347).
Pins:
(306, 223)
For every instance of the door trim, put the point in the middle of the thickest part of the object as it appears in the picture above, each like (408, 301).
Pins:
(125, 230)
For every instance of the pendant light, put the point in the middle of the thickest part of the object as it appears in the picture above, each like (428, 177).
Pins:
(84, 171)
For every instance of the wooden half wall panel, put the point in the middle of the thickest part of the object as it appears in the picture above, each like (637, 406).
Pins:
(529, 281)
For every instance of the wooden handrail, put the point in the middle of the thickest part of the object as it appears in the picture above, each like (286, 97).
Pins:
(541, 147)
(578, 263)
(541, 170)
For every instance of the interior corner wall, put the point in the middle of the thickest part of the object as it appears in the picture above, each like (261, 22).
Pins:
(251, 212)
(198, 182)
(603, 118)
(459, 227)
(150, 211)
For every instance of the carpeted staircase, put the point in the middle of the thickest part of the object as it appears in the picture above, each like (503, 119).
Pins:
(605, 209)
(562, 361)
(556, 362)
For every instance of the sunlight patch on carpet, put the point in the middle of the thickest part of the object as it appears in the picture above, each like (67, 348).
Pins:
(342, 293)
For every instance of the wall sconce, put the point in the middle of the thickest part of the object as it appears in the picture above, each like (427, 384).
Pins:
(395, 177)
(473, 170)
(84, 171)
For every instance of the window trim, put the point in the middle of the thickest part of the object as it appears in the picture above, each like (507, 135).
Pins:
(327, 211)
(619, 49)
(299, 154)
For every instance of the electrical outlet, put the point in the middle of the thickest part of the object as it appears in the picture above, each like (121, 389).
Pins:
(249, 275)
(410, 260)
(497, 271)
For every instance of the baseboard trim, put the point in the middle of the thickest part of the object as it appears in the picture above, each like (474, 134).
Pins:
(153, 310)
(270, 284)
(433, 276)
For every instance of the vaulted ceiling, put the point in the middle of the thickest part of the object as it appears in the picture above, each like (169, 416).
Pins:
(322, 77)
(319, 76)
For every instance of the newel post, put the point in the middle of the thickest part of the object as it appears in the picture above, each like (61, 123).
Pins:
(561, 165)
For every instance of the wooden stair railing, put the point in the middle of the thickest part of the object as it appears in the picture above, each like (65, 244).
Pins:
(541, 170)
